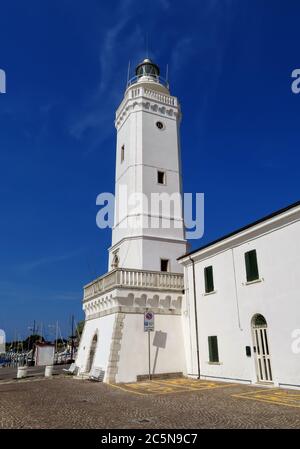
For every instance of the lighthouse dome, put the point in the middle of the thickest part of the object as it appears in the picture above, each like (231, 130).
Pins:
(147, 68)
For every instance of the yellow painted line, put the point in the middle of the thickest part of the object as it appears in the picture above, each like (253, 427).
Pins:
(257, 391)
(127, 390)
(153, 391)
(195, 385)
(164, 387)
(272, 396)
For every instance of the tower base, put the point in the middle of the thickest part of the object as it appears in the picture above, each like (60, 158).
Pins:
(114, 339)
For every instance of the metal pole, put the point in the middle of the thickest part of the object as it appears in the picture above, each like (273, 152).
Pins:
(72, 339)
(128, 73)
(149, 355)
(56, 337)
(196, 318)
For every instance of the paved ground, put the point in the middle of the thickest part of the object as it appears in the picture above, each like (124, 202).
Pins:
(64, 402)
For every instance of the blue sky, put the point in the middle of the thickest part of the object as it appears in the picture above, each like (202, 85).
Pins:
(230, 64)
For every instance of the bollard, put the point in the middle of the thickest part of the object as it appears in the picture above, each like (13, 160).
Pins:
(48, 370)
(22, 372)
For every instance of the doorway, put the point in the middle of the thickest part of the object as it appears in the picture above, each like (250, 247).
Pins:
(261, 348)
(92, 353)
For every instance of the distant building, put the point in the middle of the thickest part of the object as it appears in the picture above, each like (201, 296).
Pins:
(44, 354)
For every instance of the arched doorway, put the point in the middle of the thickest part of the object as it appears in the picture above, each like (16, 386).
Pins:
(92, 353)
(261, 348)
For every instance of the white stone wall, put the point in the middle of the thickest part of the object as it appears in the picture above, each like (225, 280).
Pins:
(147, 150)
(122, 347)
(134, 348)
(103, 327)
(227, 313)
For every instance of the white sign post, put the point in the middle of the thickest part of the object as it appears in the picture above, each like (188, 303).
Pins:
(149, 327)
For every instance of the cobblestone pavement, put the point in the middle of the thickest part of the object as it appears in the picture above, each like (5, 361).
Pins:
(64, 402)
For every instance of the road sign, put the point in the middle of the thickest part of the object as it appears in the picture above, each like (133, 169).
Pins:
(148, 321)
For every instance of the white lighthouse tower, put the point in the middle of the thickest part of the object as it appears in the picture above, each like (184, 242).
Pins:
(147, 238)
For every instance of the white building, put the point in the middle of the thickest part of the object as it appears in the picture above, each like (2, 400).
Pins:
(246, 293)
(233, 315)
(143, 270)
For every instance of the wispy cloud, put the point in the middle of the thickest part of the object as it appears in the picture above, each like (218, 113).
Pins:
(166, 4)
(48, 260)
(65, 296)
(181, 53)
(97, 112)
(126, 36)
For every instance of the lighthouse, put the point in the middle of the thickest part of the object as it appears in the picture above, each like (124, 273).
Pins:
(147, 238)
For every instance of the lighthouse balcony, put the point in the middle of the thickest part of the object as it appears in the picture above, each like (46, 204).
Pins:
(131, 290)
(134, 279)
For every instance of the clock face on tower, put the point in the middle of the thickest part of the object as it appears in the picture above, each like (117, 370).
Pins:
(159, 125)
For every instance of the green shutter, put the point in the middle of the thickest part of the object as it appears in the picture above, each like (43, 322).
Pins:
(213, 349)
(209, 279)
(251, 266)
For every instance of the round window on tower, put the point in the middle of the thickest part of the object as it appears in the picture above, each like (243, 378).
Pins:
(160, 125)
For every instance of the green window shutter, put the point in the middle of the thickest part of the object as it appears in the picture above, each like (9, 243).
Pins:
(209, 279)
(213, 349)
(251, 266)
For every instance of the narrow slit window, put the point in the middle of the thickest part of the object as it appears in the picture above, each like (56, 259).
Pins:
(213, 349)
(209, 279)
(122, 153)
(252, 273)
(161, 177)
(164, 265)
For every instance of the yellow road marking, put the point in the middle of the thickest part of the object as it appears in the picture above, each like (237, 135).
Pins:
(273, 396)
(194, 384)
(168, 386)
(127, 390)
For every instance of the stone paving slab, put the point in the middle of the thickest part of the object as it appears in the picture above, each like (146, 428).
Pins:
(289, 398)
(63, 402)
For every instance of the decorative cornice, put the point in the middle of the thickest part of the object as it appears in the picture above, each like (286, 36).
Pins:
(147, 237)
(132, 310)
(149, 101)
(133, 301)
(148, 106)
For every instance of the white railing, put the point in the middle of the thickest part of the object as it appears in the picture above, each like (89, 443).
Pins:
(166, 99)
(151, 78)
(129, 278)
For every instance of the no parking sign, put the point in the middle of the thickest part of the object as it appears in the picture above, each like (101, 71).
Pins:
(148, 321)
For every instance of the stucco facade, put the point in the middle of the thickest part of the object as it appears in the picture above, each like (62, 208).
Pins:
(229, 310)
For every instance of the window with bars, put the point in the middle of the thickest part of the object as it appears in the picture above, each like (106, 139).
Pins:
(213, 349)
(209, 279)
(252, 273)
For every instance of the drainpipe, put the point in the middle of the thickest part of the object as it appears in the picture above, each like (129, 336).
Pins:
(196, 317)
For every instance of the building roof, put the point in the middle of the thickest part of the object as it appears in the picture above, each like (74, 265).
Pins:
(237, 231)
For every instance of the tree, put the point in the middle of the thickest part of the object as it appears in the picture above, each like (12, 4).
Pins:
(31, 340)
(80, 326)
